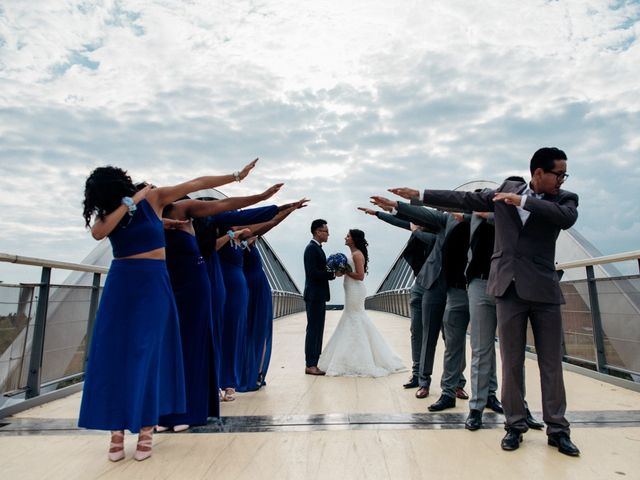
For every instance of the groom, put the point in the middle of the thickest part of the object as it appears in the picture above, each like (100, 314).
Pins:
(316, 294)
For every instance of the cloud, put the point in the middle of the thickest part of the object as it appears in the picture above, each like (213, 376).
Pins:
(340, 101)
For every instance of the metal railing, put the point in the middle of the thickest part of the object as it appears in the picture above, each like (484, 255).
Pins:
(45, 329)
(601, 316)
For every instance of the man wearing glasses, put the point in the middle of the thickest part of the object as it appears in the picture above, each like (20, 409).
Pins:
(528, 220)
(316, 294)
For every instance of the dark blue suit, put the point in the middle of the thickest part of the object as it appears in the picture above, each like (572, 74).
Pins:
(316, 295)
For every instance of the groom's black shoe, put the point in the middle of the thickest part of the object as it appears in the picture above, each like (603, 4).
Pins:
(444, 402)
(412, 383)
(313, 371)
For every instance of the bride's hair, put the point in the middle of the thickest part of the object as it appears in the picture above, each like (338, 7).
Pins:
(361, 244)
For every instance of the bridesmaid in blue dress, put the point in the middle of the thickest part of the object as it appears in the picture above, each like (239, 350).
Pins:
(134, 371)
(260, 307)
(234, 316)
(192, 290)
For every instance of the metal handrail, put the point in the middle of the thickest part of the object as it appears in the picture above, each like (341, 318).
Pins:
(618, 257)
(41, 262)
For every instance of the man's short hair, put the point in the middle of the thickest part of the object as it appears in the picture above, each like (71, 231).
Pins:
(545, 159)
(316, 224)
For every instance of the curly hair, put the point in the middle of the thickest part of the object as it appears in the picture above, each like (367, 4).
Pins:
(103, 191)
(361, 244)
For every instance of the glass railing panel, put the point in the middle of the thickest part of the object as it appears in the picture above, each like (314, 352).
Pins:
(17, 311)
(619, 300)
(65, 335)
(577, 321)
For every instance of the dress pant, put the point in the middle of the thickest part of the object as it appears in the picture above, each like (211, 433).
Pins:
(482, 315)
(455, 323)
(415, 305)
(546, 324)
(316, 310)
(434, 301)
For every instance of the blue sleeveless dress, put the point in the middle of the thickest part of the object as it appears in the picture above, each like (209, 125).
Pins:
(192, 290)
(134, 371)
(224, 314)
(259, 323)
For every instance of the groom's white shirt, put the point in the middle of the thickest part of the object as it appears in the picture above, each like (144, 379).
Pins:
(316, 242)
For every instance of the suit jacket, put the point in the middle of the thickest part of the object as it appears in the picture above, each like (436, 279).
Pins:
(316, 282)
(523, 254)
(442, 224)
(418, 246)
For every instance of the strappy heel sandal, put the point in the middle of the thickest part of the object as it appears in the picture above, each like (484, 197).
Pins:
(229, 394)
(145, 444)
(116, 447)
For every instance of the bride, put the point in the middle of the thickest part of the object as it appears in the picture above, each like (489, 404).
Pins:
(356, 348)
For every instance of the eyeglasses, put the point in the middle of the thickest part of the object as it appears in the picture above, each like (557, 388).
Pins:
(560, 176)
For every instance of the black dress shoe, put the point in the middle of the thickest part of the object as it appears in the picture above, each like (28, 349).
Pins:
(564, 444)
(532, 422)
(474, 420)
(444, 402)
(494, 404)
(511, 440)
(412, 383)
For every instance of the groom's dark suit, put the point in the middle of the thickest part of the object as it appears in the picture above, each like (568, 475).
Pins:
(316, 295)
(526, 286)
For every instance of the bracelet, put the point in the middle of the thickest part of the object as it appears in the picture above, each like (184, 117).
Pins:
(129, 203)
(231, 234)
(236, 175)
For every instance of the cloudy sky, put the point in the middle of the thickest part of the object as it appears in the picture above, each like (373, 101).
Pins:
(340, 100)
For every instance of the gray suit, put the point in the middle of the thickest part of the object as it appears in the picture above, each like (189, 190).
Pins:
(526, 286)
(443, 303)
(482, 312)
(415, 253)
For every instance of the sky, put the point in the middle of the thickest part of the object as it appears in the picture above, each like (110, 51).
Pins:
(340, 100)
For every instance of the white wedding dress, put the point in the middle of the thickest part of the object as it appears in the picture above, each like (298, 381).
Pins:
(356, 348)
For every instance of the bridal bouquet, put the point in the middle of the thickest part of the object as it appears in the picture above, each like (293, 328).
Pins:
(337, 262)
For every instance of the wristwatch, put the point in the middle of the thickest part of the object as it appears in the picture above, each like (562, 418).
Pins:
(129, 203)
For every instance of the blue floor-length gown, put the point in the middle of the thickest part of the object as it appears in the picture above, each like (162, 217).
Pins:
(259, 323)
(135, 371)
(220, 223)
(192, 290)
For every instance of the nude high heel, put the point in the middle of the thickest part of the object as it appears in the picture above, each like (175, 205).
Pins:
(116, 447)
(145, 444)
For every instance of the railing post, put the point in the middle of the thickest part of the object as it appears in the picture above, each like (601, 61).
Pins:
(37, 342)
(93, 308)
(598, 334)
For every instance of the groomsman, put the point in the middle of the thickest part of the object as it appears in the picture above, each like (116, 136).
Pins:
(483, 322)
(415, 253)
(528, 220)
(316, 294)
(445, 303)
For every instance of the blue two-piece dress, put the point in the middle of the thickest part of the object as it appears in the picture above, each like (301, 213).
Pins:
(259, 323)
(229, 292)
(134, 371)
(192, 290)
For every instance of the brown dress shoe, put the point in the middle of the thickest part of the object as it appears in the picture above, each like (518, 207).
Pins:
(313, 371)
(461, 394)
(423, 392)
